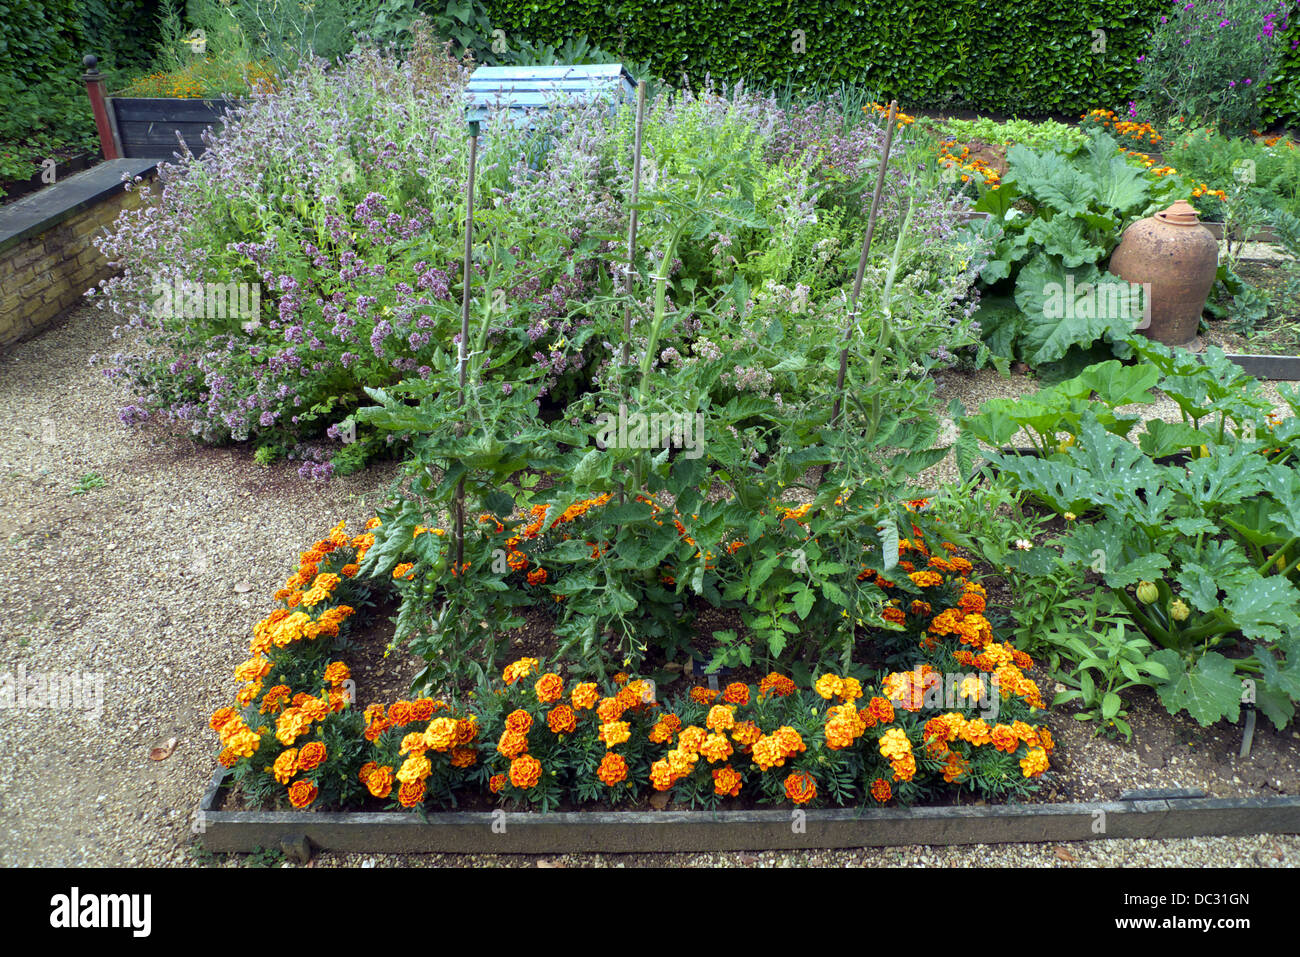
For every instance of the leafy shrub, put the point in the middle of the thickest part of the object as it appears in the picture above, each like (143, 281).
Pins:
(1211, 59)
(1201, 556)
(341, 197)
(1055, 219)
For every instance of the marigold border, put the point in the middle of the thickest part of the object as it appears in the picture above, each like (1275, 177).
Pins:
(611, 832)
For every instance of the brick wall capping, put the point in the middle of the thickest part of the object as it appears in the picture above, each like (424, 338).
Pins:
(42, 210)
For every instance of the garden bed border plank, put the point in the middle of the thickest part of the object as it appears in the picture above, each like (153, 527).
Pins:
(613, 832)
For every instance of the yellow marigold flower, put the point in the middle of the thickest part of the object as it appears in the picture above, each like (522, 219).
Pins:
(512, 744)
(286, 766)
(380, 782)
(414, 768)
(1034, 763)
(519, 669)
(441, 734)
(401, 570)
(615, 733)
(716, 748)
(894, 744)
(721, 718)
(828, 686)
(926, 579)
(691, 739)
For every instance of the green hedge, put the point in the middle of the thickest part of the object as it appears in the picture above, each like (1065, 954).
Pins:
(43, 103)
(1017, 56)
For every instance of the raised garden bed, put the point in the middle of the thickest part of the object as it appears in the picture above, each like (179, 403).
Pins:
(147, 126)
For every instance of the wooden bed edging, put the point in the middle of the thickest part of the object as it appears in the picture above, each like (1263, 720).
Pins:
(610, 832)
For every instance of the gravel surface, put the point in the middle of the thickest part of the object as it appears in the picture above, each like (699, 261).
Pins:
(152, 581)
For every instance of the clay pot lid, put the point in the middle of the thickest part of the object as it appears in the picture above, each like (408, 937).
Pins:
(1181, 213)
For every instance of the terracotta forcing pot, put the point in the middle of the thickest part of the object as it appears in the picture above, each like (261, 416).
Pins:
(1178, 257)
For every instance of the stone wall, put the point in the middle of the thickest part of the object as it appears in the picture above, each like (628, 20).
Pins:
(47, 258)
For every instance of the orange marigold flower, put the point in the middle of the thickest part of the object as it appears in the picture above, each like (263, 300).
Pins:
(400, 713)
(536, 577)
(665, 729)
(585, 696)
(411, 793)
(549, 688)
(337, 673)
(1034, 763)
(926, 579)
(519, 721)
(366, 770)
(401, 570)
(736, 693)
(414, 743)
(512, 744)
(661, 775)
(726, 781)
(612, 770)
(311, 755)
(789, 741)
(881, 791)
(464, 757)
(302, 793)
(746, 733)
(562, 720)
(525, 772)
(691, 739)
(1004, 739)
(776, 684)
(496, 783)
(466, 730)
(703, 695)
(800, 787)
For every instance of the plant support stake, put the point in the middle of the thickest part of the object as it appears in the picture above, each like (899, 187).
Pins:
(862, 264)
(463, 353)
(631, 241)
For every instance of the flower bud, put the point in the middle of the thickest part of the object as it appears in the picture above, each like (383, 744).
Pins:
(1178, 610)
(1147, 592)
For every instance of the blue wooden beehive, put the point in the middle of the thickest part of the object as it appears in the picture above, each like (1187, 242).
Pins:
(524, 88)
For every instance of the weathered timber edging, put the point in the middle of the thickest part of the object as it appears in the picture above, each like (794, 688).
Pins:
(499, 832)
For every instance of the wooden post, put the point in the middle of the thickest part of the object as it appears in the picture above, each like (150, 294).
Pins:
(631, 243)
(95, 89)
(463, 352)
(862, 264)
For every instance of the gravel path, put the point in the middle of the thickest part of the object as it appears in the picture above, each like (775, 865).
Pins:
(152, 580)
